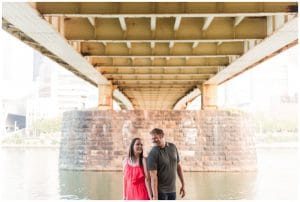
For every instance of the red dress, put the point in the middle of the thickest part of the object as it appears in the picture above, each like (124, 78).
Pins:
(134, 183)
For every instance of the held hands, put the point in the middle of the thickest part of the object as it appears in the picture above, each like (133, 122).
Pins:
(182, 192)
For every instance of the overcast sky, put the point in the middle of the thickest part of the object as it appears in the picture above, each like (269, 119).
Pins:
(16, 67)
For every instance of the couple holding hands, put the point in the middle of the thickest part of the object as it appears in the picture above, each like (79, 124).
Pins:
(155, 177)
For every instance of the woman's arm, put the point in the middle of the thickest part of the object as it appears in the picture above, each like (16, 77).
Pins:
(124, 183)
(124, 189)
(147, 179)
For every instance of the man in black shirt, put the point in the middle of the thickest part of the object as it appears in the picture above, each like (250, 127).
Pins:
(163, 164)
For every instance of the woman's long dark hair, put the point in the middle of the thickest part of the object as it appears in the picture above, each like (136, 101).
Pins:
(131, 152)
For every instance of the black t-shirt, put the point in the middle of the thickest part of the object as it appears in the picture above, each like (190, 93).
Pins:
(165, 161)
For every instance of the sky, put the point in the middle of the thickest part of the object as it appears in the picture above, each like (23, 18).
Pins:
(17, 65)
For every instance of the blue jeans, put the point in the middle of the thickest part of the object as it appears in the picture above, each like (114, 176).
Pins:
(167, 196)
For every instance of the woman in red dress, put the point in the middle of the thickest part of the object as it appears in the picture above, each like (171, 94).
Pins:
(136, 178)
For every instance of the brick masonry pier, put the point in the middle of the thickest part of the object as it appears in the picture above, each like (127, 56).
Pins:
(207, 140)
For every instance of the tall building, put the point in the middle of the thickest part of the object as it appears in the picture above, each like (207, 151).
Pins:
(57, 90)
(72, 92)
(268, 86)
(36, 87)
(262, 88)
(15, 82)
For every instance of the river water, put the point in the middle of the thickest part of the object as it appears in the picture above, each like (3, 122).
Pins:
(33, 173)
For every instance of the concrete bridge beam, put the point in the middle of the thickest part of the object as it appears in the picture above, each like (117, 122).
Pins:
(105, 96)
(209, 96)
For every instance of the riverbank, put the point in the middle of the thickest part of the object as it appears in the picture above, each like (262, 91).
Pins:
(278, 145)
(262, 141)
(18, 140)
(283, 145)
(29, 146)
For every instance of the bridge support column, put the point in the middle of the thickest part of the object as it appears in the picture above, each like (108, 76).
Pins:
(207, 140)
(208, 96)
(105, 96)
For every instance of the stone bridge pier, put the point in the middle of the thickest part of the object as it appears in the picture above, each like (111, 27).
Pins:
(207, 140)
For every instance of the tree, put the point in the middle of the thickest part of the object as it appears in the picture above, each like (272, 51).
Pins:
(47, 126)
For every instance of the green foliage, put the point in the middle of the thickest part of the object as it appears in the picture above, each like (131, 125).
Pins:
(267, 123)
(46, 132)
(48, 126)
(14, 138)
(20, 139)
(281, 137)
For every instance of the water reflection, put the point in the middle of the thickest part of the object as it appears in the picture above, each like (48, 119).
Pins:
(90, 185)
(29, 173)
(199, 185)
(220, 185)
(34, 174)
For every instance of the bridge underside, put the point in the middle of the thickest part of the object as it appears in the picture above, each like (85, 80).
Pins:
(154, 55)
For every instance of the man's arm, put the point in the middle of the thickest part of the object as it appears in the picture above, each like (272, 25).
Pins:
(180, 175)
(153, 177)
(147, 178)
